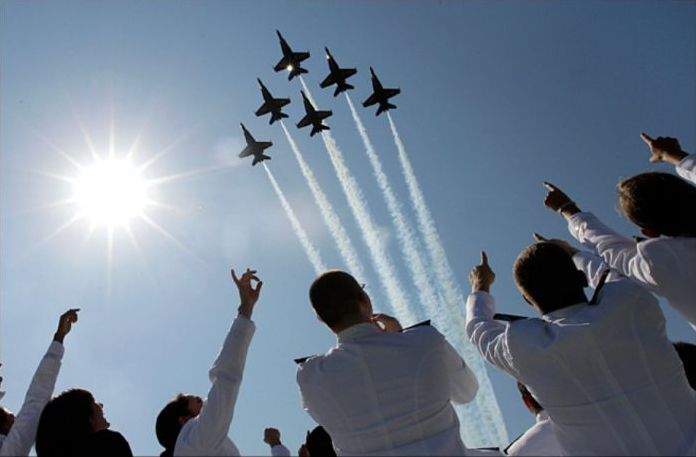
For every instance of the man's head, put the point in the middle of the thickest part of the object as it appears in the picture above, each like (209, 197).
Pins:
(6, 421)
(659, 203)
(547, 277)
(529, 401)
(173, 416)
(67, 420)
(339, 300)
(318, 442)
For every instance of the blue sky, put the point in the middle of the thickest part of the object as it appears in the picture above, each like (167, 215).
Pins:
(496, 98)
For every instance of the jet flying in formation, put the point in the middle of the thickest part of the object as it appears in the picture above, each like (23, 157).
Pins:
(313, 117)
(271, 105)
(291, 60)
(380, 95)
(254, 148)
(337, 75)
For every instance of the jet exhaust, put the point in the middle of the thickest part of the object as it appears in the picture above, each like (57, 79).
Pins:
(482, 419)
(333, 223)
(312, 252)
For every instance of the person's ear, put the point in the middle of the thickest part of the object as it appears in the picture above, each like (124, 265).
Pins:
(649, 233)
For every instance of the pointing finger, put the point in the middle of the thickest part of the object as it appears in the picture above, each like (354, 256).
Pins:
(538, 237)
(234, 277)
(550, 186)
(645, 137)
(484, 258)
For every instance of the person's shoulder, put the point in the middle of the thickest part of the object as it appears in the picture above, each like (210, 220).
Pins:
(111, 443)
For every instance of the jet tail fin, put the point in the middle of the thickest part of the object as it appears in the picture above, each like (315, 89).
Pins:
(318, 128)
(277, 117)
(342, 88)
(260, 158)
(385, 107)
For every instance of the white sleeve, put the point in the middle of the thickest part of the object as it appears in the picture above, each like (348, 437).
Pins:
(280, 451)
(485, 333)
(619, 252)
(212, 425)
(22, 435)
(687, 168)
(462, 381)
(593, 266)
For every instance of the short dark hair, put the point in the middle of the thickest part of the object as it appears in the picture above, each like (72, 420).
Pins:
(319, 443)
(545, 273)
(687, 354)
(335, 296)
(167, 426)
(4, 417)
(65, 424)
(660, 202)
(529, 399)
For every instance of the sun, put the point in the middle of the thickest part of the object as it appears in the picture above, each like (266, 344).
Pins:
(110, 192)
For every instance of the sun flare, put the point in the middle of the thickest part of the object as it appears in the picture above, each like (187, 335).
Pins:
(110, 192)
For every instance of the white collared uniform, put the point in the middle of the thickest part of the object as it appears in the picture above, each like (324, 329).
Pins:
(687, 168)
(666, 265)
(607, 375)
(23, 433)
(206, 434)
(381, 393)
(538, 440)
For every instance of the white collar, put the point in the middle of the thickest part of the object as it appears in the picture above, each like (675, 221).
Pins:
(356, 331)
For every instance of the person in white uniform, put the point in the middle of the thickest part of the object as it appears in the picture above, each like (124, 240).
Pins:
(271, 436)
(189, 425)
(540, 438)
(381, 390)
(663, 206)
(604, 370)
(668, 150)
(18, 433)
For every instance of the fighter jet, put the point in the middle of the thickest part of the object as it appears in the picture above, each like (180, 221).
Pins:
(380, 95)
(313, 117)
(337, 75)
(271, 105)
(254, 148)
(291, 60)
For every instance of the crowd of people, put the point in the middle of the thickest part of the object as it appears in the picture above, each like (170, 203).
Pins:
(598, 372)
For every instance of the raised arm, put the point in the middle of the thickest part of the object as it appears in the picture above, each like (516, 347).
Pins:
(22, 435)
(212, 425)
(485, 333)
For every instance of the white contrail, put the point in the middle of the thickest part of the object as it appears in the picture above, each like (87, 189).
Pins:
(380, 258)
(312, 252)
(491, 429)
(409, 246)
(345, 246)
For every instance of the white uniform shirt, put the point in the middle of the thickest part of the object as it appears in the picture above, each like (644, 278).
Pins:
(23, 433)
(687, 168)
(381, 393)
(280, 451)
(666, 265)
(206, 434)
(538, 440)
(607, 375)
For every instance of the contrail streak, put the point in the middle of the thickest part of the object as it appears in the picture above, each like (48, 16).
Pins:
(380, 259)
(491, 427)
(345, 246)
(404, 233)
(310, 250)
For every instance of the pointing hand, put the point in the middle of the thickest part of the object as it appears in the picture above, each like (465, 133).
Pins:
(664, 149)
(482, 276)
(558, 201)
(67, 319)
(248, 295)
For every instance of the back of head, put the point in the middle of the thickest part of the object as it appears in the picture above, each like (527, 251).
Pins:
(547, 276)
(687, 354)
(335, 296)
(659, 202)
(65, 424)
(319, 443)
(5, 421)
(168, 425)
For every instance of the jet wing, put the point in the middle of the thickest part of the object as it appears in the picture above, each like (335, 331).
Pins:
(300, 56)
(246, 152)
(304, 122)
(265, 144)
(324, 114)
(280, 102)
(264, 109)
(391, 92)
(249, 139)
(371, 100)
(347, 72)
(282, 65)
(329, 80)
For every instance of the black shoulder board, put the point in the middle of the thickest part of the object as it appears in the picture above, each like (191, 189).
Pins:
(508, 317)
(302, 360)
(420, 324)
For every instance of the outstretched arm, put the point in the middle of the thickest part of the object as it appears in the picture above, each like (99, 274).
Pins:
(486, 334)
(21, 437)
(213, 423)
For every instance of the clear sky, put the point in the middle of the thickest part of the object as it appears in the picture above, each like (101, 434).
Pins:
(496, 98)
